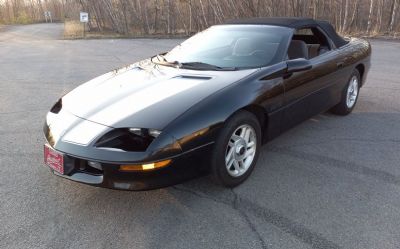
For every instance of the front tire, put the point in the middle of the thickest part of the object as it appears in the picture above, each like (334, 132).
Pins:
(236, 149)
(349, 95)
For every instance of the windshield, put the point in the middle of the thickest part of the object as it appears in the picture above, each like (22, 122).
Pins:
(231, 46)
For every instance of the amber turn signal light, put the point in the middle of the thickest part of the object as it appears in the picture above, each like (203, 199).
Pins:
(145, 167)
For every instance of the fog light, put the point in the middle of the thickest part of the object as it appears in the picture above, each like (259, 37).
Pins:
(145, 167)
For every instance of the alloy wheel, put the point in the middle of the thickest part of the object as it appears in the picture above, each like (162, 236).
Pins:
(241, 150)
(352, 92)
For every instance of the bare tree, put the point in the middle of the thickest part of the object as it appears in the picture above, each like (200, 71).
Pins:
(371, 5)
(346, 16)
(203, 13)
(188, 16)
(393, 15)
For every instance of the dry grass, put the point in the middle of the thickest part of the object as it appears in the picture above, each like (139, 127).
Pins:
(75, 30)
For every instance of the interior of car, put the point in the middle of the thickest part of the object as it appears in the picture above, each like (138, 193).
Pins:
(308, 43)
(244, 51)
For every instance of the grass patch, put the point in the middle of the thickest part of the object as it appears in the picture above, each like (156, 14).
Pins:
(75, 30)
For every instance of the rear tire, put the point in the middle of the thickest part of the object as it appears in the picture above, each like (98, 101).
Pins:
(349, 95)
(236, 149)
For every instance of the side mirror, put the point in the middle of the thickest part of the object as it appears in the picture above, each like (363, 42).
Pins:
(298, 65)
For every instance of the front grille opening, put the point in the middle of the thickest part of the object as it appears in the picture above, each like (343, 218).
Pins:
(124, 140)
(83, 166)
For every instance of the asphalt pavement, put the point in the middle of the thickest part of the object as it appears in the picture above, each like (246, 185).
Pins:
(331, 182)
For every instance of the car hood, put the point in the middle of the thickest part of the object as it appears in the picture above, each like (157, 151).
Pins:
(145, 95)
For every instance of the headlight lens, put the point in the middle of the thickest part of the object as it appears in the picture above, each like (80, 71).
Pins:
(136, 131)
(128, 139)
(145, 132)
(154, 133)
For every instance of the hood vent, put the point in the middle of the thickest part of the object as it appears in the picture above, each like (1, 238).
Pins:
(194, 77)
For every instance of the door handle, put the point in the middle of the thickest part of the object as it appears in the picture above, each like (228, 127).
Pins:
(340, 64)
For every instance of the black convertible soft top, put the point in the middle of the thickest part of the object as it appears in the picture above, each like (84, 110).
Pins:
(295, 23)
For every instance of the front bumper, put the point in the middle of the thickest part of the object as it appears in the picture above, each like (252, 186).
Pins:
(183, 167)
(74, 138)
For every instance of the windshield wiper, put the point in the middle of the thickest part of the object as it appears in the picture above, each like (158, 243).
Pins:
(190, 65)
(204, 66)
(163, 61)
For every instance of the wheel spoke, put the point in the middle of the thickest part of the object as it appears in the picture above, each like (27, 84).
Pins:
(236, 165)
(229, 155)
(249, 152)
(243, 132)
(229, 164)
(250, 144)
(247, 135)
(235, 137)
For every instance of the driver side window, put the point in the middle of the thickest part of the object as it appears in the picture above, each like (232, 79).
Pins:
(308, 43)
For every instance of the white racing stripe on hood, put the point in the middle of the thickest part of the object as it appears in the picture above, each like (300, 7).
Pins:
(144, 98)
(84, 133)
(87, 97)
(59, 123)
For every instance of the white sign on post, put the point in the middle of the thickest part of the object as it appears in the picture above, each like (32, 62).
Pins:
(84, 17)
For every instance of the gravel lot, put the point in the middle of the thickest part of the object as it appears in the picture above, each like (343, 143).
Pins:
(331, 182)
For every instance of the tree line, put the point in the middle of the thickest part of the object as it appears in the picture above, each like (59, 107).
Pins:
(146, 17)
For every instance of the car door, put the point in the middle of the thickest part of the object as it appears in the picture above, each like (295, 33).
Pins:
(309, 92)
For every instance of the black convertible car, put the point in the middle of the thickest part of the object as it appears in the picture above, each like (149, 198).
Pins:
(206, 106)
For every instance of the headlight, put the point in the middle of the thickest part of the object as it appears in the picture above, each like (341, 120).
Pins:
(154, 133)
(128, 139)
(145, 132)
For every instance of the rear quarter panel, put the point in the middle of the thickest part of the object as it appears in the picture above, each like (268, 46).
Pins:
(355, 53)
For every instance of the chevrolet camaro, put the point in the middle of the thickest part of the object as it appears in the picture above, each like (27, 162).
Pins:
(206, 106)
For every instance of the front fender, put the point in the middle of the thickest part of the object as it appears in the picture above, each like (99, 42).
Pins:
(201, 124)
